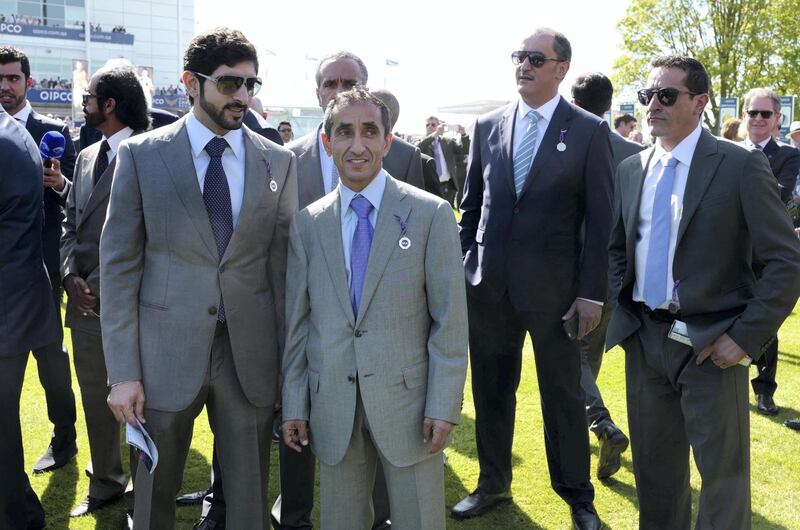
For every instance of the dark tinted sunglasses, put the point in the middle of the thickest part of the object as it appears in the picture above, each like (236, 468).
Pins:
(86, 97)
(230, 84)
(537, 59)
(766, 114)
(666, 96)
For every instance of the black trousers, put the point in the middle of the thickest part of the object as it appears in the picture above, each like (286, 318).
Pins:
(52, 363)
(767, 366)
(19, 504)
(496, 337)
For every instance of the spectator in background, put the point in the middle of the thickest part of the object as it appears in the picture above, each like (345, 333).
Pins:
(730, 130)
(285, 128)
(636, 136)
(446, 152)
(624, 125)
(794, 134)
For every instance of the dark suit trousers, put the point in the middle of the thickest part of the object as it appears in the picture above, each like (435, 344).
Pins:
(52, 362)
(674, 404)
(19, 505)
(767, 367)
(449, 191)
(496, 337)
(592, 347)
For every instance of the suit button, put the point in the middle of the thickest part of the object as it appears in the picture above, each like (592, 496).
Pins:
(212, 310)
(351, 379)
(516, 210)
(359, 333)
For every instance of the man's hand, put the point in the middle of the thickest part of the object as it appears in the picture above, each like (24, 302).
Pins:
(436, 432)
(126, 401)
(589, 315)
(723, 352)
(53, 177)
(79, 293)
(440, 129)
(295, 434)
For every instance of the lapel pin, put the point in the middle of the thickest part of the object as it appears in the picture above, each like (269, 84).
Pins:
(404, 242)
(561, 146)
(273, 186)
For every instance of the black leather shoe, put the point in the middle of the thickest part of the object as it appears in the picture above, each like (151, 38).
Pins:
(208, 524)
(192, 499)
(613, 443)
(766, 405)
(584, 517)
(793, 424)
(478, 503)
(53, 459)
(91, 504)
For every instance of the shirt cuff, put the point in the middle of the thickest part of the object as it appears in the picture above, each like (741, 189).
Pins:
(65, 191)
(592, 301)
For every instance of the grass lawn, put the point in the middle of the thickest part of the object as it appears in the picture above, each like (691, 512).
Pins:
(775, 463)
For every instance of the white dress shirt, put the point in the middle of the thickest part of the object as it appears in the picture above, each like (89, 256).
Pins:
(326, 165)
(232, 159)
(115, 140)
(24, 113)
(521, 123)
(683, 152)
(374, 194)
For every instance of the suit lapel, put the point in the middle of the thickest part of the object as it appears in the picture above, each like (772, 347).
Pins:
(704, 167)
(507, 143)
(560, 121)
(176, 154)
(633, 188)
(384, 240)
(100, 191)
(329, 224)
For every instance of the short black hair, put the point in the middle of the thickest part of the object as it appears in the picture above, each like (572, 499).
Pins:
(625, 118)
(12, 54)
(121, 84)
(284, 123)
(696, 75)
(338, 56)
(592, 92)
(353, 96)
(208, 51)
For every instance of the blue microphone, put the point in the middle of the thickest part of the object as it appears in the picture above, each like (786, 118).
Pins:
(51, 146)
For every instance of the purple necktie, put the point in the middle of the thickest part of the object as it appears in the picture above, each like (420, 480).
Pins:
(437, 155)
(359, 250)
(217, 197)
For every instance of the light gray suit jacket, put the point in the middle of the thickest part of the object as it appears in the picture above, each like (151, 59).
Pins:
(404, 161)
(408, 346)
(162, 278)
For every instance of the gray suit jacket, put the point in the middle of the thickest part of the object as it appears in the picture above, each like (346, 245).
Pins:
(408, 345)
(622, 148)
(162, 278)
(403, 161)
(732, 215)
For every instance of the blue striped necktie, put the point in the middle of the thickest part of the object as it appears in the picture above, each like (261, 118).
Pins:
(657, 267)
(524, 154)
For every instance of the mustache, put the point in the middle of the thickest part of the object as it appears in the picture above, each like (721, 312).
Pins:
(236, 106)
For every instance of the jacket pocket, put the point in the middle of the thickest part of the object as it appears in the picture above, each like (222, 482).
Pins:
(149, 305)
(415, 375)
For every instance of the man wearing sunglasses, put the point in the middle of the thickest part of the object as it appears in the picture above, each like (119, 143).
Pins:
(692, 215)
(193, 264)
(540, 172)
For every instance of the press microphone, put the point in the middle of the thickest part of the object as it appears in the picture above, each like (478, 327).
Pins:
(51, 146)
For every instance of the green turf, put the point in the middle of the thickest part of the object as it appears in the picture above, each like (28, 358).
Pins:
(775, 466)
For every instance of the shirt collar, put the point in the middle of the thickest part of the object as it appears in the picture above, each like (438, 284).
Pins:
(684, 151)
(200, 135)
(24, 113)
(545, 111)
(115, 139)
(762, 144)
(373, 193)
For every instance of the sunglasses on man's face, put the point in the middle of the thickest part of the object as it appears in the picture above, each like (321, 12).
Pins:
(537, 59)
(230, 84)
(766, 114)
(666, 96)
(86, 97)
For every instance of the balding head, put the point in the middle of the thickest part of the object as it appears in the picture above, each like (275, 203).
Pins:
(391, 103)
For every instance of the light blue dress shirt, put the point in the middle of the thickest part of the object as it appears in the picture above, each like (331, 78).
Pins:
(374, 194)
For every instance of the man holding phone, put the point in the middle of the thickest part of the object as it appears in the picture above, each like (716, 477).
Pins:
(445, 152)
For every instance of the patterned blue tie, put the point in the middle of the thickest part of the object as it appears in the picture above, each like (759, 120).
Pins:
(656, 269)
(217, 197)
(524, 154)
(359, 250)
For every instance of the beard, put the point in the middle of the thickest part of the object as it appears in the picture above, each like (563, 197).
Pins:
(93, 119)
(217, 114)
(15, 104)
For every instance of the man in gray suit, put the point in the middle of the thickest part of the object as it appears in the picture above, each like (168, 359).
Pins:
(692, 215)
(193, 263)
(376, 330)
(115, 105)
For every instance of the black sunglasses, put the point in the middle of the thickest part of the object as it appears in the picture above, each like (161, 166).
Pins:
(230, 84)
(87, 96)
(666, 96)
(537, 59)
(766, 114)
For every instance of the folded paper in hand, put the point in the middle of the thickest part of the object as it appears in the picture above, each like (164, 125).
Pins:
(137, 437)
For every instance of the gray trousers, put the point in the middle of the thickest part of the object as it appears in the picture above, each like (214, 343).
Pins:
(592, 347)
(674, 404)
(242, 433)
(416, 493)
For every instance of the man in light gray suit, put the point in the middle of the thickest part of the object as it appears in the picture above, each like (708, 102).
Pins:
(193, 263)
(375, 357)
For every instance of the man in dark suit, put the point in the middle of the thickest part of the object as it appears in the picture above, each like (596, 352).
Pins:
(29, 320)
(761, 115)
(255, 125)
(89, 135)
(116, 106)
(447, 153)
(692, 215)
(51, 359)
(540, 171)
(593, 92)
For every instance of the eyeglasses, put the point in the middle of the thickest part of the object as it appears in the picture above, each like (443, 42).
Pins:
(87, 96)
(666, 96)
(230, 84)
(285, 130)
(766, 114)
(537, 59)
